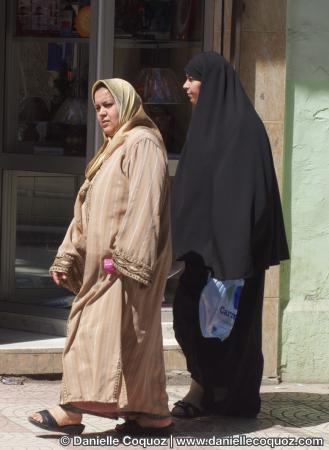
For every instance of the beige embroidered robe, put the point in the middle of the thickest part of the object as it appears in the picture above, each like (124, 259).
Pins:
(113, 351)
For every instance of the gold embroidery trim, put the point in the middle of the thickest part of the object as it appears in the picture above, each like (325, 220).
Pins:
(62, 263)
(132, 268)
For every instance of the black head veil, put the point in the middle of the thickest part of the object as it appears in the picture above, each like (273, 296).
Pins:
(226, 204)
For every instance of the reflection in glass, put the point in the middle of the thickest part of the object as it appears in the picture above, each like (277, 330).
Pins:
(48, 112)
(44, 210)
(154, 39)
(159, 85)
(47, 18)
(159, 19)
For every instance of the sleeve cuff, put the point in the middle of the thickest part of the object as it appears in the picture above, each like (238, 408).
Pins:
(132, 268)
(65, 264)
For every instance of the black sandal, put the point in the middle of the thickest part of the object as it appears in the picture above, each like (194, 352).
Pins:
(49, 423)
(132, 428)
(186, 410)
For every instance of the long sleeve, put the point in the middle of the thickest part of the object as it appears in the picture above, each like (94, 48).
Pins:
(136, 245)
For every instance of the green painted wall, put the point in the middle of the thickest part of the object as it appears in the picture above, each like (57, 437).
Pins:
(305, 279)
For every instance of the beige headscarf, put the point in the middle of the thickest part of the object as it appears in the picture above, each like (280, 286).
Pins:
(131, 114)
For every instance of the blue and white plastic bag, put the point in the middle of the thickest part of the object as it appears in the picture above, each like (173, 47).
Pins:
(218, 307)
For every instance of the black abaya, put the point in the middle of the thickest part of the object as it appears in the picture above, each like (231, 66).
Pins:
(226, 219)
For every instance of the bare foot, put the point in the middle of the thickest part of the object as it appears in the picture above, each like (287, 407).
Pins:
(62, 417)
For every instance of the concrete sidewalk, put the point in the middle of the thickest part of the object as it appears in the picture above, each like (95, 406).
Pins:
(289, 411)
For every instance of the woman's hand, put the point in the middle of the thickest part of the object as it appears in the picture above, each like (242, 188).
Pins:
(59, 277)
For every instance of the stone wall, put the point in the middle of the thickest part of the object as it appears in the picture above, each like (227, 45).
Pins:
(305, 281)
(262, 72)
(261, 65)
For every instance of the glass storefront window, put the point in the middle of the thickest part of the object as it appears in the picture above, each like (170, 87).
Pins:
(48, 78)
(43, 210)
(153, 42)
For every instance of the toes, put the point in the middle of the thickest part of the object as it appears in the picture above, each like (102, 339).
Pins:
(36, 416)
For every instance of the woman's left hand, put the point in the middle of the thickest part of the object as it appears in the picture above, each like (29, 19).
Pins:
(58, 277)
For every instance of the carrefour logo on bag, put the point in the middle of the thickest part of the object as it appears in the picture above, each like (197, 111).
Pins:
(227, 313)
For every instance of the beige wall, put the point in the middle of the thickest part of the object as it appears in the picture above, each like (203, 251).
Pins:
(262, 71)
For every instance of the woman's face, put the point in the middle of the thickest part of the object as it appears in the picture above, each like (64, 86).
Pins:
(192, 88)
(107, 111)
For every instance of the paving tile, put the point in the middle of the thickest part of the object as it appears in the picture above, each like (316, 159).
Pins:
(9, 425)
(15, 441)
(288, 411)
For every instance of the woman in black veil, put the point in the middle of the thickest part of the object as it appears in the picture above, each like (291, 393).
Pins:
(227, 221)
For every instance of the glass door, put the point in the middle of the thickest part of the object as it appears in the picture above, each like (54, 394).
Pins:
(37, 210)
(153, 41)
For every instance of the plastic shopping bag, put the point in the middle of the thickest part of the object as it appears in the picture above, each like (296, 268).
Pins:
(218, 307)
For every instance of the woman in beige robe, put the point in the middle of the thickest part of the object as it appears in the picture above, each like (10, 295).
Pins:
(113, 357)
